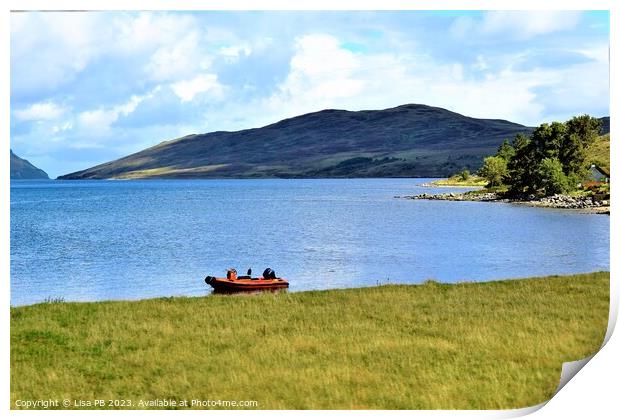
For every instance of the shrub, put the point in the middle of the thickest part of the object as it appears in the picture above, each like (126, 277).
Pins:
(464, 175)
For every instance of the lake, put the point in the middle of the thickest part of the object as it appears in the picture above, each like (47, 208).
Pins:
(101, 240)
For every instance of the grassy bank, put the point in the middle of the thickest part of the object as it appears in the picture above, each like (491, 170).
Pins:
(469, 345)
(458, 181)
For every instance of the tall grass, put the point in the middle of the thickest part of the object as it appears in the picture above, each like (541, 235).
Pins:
(433, 346)
(458, 181)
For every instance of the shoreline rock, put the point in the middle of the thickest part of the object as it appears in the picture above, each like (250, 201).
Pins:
(450, 185)
(558, 201)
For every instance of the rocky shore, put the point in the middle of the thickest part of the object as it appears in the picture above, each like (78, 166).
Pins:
(559, 201)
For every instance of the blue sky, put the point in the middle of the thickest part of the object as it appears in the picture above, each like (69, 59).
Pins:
(90, 87)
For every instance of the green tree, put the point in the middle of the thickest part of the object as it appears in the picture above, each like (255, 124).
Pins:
(581, 132)
(551, 177)
(521, 176)
(548, 139)
(494, 170)
(563, 143)
(505, 151)
(464, 175)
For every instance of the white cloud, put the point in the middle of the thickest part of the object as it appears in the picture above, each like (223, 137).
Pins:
(320, 72)
(147, 31)
(98, 121)
(177, 60)
(171, 46)
(133, 102)
(324, 75)
(520, 25)
(188, 89)
(64, 127)
(40, 111)
(319, 55)
(49, 49)
(527, 24)
(176, 45)
(177, 49)
(232, 53)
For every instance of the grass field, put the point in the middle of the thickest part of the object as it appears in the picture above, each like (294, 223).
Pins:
(435, 346)
(458, 181)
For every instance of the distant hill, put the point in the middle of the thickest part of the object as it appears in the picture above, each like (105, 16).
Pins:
(405, 141)
(604, 125)
(22, 169)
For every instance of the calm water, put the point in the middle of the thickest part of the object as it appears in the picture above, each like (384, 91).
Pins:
(98, 240)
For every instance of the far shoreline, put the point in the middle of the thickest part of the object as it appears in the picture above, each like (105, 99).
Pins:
(235, 178)
(580, 204)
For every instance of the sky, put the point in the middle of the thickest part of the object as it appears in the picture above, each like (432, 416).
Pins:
(89, 87)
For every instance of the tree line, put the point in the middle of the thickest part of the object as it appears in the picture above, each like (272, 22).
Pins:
(552, 160)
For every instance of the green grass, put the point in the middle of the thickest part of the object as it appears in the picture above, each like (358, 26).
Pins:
(458, 181)
(599, 152)
(487, 345)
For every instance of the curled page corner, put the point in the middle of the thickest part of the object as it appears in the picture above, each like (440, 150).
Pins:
(570, 369)
(613, 316)
(520, 412)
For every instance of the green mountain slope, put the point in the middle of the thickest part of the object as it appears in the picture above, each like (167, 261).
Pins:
(406, 141)
(599, 152)
(22, 169)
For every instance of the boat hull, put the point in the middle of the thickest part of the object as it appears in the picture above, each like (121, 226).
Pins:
(247, 285)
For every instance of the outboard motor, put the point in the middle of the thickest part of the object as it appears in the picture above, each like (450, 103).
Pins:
(209, 279)
(269, 274)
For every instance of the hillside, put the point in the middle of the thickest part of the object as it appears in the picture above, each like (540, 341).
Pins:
(406, 141)
(22, 169)
(604, 125)
(599, 152)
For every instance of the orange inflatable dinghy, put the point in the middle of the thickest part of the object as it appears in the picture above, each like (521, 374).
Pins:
(233, 283)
